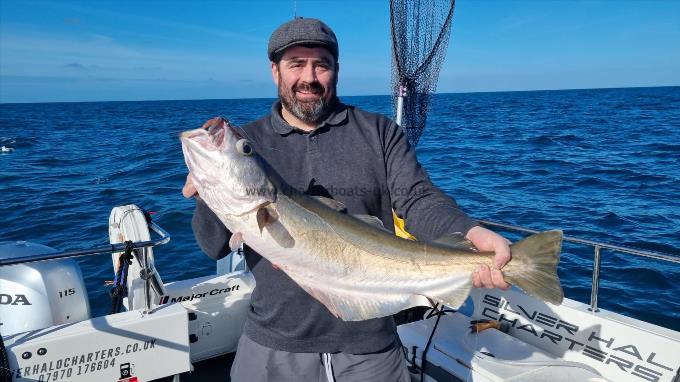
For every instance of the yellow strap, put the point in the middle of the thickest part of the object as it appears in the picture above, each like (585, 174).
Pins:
(399, 229)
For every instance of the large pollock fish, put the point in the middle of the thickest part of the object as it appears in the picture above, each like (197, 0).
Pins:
(352, 265)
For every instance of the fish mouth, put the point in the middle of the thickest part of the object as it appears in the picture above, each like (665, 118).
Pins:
(220, 131)
(198, 137)
(190, 134)
(212, 137)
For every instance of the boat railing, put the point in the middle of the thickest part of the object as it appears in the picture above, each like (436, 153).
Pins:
(597, 256)
(149, 275)
(164, 237)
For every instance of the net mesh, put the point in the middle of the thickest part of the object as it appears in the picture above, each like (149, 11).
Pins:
(420, 36)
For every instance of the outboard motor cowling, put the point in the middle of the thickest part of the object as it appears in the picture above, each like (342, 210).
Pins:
(40, 294)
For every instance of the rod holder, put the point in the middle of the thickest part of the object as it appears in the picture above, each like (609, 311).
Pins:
(597, 260)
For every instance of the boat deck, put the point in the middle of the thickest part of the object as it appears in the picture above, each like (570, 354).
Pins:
(213, 369)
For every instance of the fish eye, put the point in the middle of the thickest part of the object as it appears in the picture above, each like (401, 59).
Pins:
(244, 147)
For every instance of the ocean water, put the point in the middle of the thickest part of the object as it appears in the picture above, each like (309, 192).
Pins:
(600, 164)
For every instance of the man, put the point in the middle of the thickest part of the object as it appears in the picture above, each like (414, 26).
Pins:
(323, 147)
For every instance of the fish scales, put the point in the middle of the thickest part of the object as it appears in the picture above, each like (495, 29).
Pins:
(386, 256)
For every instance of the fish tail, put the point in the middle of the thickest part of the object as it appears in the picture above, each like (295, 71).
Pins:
(533, 267)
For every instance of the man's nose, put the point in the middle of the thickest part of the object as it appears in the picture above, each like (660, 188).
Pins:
(308, 74)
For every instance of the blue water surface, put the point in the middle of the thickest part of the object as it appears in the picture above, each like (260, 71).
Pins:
(600, 164)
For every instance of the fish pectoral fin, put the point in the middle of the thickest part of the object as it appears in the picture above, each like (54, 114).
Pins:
(268, 218)
(266, 215)
(235, 241)
(456, 240)
(331, 203)
(374, 221)
(280, 234)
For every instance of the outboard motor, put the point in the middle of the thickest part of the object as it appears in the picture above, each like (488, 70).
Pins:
(39, 294)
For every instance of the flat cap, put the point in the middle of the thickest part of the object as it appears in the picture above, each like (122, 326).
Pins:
(300, 31)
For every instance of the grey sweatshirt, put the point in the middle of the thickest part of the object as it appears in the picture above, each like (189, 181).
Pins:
(362, 160)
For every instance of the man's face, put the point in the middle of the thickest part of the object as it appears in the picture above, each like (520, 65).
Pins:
(306, 79)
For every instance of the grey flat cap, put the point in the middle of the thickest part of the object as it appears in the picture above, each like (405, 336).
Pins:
(301, 31)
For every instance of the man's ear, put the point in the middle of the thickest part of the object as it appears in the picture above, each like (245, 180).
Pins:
(275, 73)
(337, 72)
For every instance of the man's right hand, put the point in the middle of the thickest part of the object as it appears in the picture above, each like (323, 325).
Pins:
(189, 188)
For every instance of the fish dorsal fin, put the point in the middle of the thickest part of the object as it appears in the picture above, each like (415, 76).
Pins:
(331, 203)
(456, 240)
(372, 220)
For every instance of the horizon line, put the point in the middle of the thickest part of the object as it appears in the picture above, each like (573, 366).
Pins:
(362, 95)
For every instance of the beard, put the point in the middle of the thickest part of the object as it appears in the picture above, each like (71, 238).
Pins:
(308, 111)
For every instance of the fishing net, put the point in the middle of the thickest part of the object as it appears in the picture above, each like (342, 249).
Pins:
(420, 36)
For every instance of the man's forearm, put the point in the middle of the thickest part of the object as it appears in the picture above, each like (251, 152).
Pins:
(210, 233)
(436, 217)
(428, 212)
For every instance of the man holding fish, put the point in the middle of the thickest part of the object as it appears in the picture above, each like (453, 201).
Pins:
(310, 189)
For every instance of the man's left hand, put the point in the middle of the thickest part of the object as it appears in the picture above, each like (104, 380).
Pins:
(487, 240)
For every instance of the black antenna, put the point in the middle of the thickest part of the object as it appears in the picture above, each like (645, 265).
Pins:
(294, 9)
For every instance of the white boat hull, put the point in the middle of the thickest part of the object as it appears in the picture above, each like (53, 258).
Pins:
(566, 342)
(127, 346)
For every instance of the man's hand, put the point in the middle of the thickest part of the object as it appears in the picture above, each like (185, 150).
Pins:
(189, 189)
(486, 240)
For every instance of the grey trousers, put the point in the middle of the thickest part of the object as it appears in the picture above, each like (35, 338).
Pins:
(257, 363)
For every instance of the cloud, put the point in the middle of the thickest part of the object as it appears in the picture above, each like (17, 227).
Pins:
(148, 68)
(35, 53)
(75, 65)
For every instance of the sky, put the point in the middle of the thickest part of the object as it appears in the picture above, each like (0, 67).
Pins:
(52, 51)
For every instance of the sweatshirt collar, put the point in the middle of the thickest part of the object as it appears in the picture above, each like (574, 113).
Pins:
(337, 117)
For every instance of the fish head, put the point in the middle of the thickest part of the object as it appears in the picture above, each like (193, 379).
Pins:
(227, 172)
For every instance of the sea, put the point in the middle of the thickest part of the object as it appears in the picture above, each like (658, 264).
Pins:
(601, 164)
